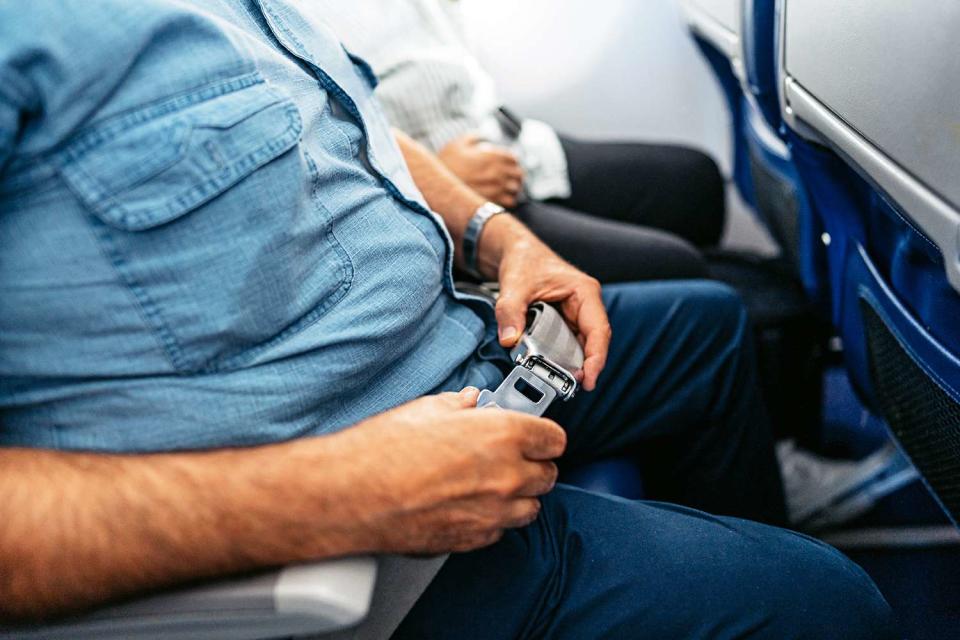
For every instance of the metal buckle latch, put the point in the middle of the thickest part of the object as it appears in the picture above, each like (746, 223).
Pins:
(547, 355)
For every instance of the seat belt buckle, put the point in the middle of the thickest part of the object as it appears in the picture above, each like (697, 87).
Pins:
(547, 356)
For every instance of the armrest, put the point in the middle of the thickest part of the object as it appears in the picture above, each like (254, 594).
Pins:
(297, 600)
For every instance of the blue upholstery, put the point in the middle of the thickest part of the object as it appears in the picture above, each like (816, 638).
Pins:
(763, 169)
(835, 195)
(875, 251)
(890, 301)
(730, 85)
(849, 429)
(760, 37)
(783, 205)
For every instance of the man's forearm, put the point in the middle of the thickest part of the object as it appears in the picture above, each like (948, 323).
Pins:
(508, 252)
(83, 529)
(456, 202)
(431, 476)
(443, 190)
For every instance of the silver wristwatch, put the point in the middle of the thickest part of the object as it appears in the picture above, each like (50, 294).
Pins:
(471, 236)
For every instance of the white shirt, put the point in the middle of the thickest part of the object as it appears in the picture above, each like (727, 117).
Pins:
(433, 88)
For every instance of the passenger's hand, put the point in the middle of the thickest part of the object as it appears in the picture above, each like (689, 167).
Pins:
(528, 270)
(443, 476)
(492, 171)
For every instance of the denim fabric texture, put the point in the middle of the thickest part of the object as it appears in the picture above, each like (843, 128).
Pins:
(679, 395)
(209, 235)
(209, 238)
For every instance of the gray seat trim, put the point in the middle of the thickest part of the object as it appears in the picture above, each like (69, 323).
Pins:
(931, 214)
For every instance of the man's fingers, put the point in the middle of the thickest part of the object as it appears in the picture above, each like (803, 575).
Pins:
(521, 512)
(593, 324)
(470, 139)
(514, 173)
(511, 313)
(541, 478)
(504, 155)
(543, 439)
(468, 396)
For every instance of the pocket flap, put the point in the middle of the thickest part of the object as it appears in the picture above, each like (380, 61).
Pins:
(152, 166)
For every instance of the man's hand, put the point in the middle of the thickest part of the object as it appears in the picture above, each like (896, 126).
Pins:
(432, 476)
(492, 171)
(509, 252)
(528, 271)
(447, 476)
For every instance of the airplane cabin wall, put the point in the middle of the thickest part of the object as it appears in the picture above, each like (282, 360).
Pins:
(603, 69)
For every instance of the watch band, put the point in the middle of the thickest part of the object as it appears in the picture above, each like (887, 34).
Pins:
(471, 236)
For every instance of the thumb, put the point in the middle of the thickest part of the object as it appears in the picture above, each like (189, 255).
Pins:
(470, 139)
(468, 396)
(511, 313)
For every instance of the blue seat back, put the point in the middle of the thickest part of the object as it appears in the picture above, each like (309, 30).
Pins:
(780, 198)
(723, 70)
(760, 38)
(887, 284)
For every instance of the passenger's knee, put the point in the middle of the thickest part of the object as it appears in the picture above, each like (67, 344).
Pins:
(719, 309)
(703, 199)
(679, 259)
(702, 171)
(705, 170)
(826, 595)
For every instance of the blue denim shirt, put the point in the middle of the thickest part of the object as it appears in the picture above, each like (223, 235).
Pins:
(209, 236)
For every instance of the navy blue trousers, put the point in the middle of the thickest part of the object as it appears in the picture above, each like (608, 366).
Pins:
(678, 392)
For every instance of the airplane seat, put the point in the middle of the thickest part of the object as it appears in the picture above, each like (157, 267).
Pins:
(780, 199)
(308, 599)
(739, 40)
(783, 205)
(723, 70)
(873, 142)
(714, 25)
(760, 39)
(892, 305)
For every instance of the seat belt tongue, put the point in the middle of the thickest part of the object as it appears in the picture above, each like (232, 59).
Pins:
(547, 355)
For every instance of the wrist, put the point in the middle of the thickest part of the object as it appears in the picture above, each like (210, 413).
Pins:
(476, 226)
(502, 235)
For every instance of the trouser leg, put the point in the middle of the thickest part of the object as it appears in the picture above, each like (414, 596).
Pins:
(678, 389)
(679, 393)
(609, 250)
(596, 566)
(668, 187)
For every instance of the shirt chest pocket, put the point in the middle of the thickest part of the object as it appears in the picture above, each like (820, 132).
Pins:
(207, 207)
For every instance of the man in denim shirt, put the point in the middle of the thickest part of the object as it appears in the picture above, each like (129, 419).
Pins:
(211, 242)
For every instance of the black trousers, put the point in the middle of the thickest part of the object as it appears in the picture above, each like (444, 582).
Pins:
(636, 211)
